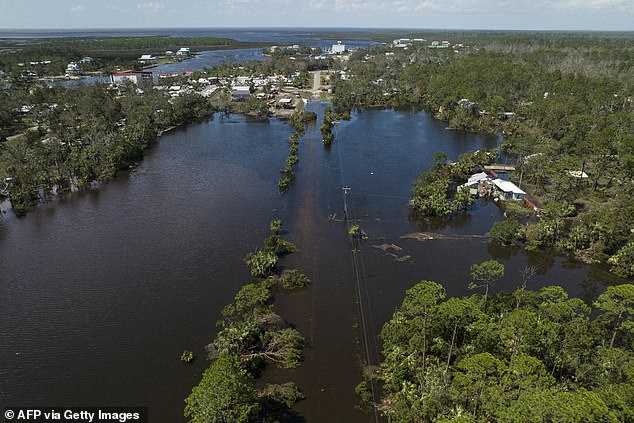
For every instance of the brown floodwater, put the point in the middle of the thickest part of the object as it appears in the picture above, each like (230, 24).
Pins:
(101, 291)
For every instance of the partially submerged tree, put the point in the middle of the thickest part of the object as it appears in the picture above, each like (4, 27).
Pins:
(261, 263)
(225, 394)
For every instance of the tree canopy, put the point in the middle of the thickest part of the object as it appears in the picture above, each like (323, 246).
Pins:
(549, 359)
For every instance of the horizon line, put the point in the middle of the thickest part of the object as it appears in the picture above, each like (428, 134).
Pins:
(396, 29)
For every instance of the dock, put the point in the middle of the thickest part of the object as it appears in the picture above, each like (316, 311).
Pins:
(500, 167)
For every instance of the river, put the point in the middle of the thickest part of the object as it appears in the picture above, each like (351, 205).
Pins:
(102, 291)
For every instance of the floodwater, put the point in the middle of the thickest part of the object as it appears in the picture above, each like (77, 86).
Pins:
(102, 291)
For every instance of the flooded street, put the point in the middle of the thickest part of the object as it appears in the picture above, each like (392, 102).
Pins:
(102, 291)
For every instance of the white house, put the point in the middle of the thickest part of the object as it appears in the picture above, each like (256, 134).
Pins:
(147, 59)
(134, 76)
(508, 190)
(240, 92)
(474, 180)
(286, 103)
(73, 69)
(183, 51)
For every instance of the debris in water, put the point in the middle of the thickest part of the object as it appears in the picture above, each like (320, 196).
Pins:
(385, 247)
(424, 236)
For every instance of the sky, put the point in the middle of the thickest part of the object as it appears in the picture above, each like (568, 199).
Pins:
(596, 15)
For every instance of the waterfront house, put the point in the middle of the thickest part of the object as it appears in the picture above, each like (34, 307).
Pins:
(474, 180)
(508, 190)
(147, 59)
(286, 103)
(183, 51)
(136, 77)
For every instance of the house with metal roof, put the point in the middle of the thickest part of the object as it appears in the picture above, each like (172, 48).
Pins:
(508, 190)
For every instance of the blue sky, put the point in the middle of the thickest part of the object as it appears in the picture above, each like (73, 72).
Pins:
(450, 14)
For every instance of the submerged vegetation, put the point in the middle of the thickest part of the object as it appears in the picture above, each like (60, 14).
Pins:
(326, 126)
(251, 335)
(432, 191)
(297, 121)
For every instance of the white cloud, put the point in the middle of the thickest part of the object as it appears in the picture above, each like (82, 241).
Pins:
(150, 6)
(78, 8)
(361, 5)
(621, 5)
(483, 6)
(316, 5)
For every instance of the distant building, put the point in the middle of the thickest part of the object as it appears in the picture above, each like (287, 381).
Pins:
(73, 69)
(183, 51)
(147, 59)
(286, 103)
(338, 48)
(240, 92)
(137, 77)
(438, 44)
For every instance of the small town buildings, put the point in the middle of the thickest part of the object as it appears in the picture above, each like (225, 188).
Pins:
(508, 190)
(136, 77)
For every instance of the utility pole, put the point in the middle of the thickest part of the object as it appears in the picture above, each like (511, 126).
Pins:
(345, 201)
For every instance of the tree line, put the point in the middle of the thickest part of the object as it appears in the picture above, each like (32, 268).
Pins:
(76, 136)
(107, 53)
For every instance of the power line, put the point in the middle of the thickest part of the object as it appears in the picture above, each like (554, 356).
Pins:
(359, 280)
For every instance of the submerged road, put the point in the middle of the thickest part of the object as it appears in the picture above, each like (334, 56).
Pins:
(325, 312)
